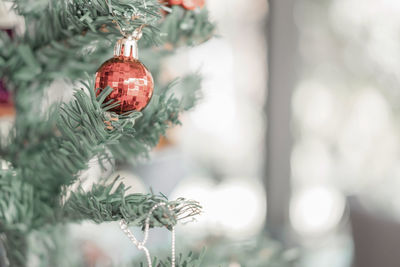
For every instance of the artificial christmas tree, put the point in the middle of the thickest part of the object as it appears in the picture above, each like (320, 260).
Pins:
(48, 147)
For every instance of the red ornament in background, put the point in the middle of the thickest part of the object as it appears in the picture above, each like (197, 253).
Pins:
(7, 107)
(175, 2)
(132, 83)
(200, 3)
(187, 4)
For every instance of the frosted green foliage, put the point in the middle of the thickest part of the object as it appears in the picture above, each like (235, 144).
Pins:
(65, 38)
(47, 150)
(214, 251)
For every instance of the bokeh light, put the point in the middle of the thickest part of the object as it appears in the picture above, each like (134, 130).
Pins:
(316, 210)
(235, 208)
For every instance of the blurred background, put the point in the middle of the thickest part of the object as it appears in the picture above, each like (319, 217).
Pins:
(293, 150)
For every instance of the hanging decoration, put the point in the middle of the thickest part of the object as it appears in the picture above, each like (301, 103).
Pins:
(130, 80)
(141, 244)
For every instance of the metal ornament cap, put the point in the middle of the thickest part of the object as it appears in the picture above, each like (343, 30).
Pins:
(126, 47)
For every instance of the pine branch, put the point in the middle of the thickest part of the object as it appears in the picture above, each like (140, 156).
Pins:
(74, 133)
(49, 156)
(62, 19)
(189, 260)
(65, 31)
(187, 27)
(69, 38)
(17, 202)
(50, 153)
(162, 113)
(103, 203)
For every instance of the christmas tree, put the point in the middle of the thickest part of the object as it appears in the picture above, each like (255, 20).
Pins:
(48, 147)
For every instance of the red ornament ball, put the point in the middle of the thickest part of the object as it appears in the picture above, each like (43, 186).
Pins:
(175, 2)
(189, 4)
(200, 3)
(132, 83)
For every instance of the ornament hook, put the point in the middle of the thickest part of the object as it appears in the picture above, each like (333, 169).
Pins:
(137, 33)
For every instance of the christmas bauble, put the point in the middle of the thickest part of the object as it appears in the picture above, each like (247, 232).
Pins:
(189, 4)
(132, 83)
(193, 4)
(175, 2)
(200, 3)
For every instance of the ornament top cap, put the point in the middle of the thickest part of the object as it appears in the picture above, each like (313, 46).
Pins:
(127, 46)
